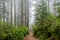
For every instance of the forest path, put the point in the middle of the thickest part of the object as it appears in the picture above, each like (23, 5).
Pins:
(30, 37)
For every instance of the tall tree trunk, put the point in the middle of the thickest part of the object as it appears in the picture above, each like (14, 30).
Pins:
(0, 11)
(48, 6)
(54, 8)
(43, 19)
(21, 13)
(27, 13)
(3, 10)
(15, 12)
(42, 13)
(7, 11)
(11, 10)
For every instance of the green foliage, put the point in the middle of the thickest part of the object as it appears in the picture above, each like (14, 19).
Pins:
(57, 5)
(50, 29)
(47, 25)
(9, 32)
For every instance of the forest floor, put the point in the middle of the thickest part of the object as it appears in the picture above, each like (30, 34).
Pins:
(30, 37)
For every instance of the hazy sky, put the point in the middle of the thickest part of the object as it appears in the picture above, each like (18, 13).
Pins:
(32, 12)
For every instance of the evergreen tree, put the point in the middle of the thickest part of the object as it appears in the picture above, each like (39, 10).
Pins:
(47, 25)
(41, 17)
(41, 13)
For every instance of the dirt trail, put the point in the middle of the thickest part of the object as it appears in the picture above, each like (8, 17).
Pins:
(30, 37)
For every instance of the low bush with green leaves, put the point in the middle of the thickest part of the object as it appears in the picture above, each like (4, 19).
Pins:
(9, 32)
(49, 31)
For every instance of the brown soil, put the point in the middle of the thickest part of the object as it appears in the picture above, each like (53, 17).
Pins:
(30, 37)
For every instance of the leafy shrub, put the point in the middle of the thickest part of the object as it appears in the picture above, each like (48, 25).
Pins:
(49, 31)
(9, 32)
